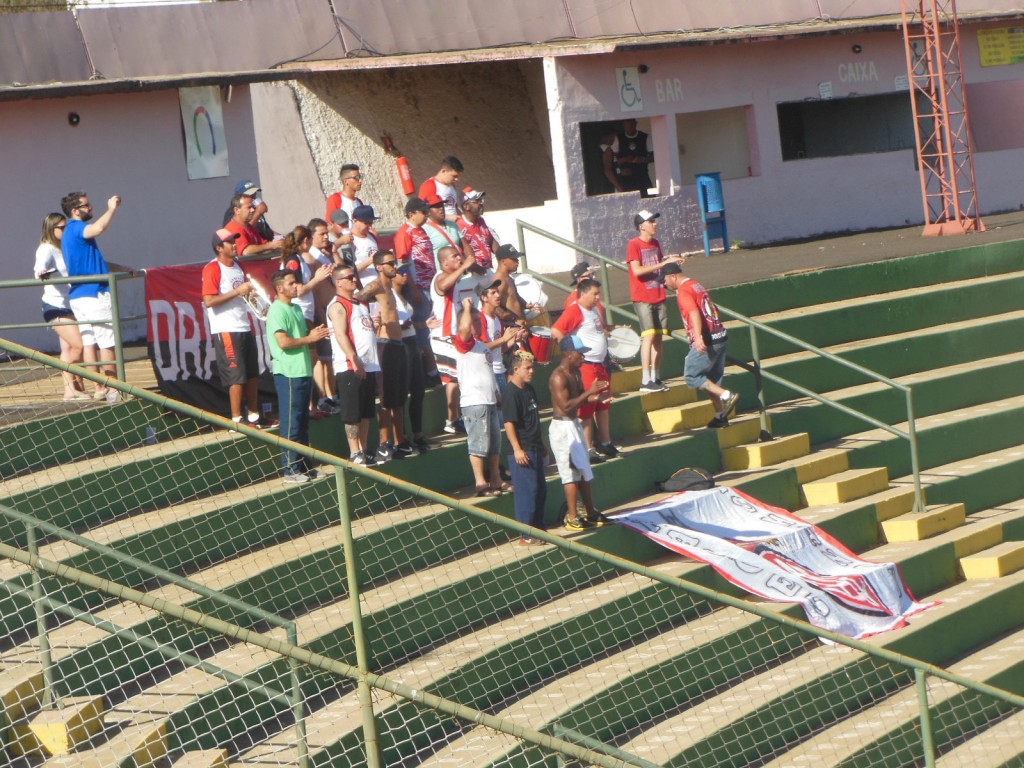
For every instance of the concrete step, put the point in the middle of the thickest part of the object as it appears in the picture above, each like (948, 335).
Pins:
(871, 736)
(1000, 560)
(205, 758)
(452, 666)
(58, 731)
(756, 455)
(999, 745)
(914, 526)
(845, 486)
(677, 418)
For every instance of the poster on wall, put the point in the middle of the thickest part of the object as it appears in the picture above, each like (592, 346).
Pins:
(1001, 47)
(206, 144)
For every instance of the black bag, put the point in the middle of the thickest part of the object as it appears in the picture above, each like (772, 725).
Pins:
(687, 479)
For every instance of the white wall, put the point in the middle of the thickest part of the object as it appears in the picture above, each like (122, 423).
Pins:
(785, 199)
(126, 144)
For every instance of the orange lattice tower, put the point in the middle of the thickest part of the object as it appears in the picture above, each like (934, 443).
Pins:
(931, 33)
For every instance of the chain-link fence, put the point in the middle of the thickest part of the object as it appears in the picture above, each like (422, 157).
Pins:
(166, 597)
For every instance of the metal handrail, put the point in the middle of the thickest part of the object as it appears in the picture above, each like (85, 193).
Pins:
(910, 434)
(293, 652)
(111, 279)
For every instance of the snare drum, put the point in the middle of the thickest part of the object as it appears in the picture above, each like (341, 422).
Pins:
(541, 344)
(623, 345)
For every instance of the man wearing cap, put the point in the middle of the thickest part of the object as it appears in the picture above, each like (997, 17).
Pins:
(249, 241)
(443, 184)
(257, 219)
(339, 237)
(565, 434)
(479, 398)
(224, 290)
(290, 338)
(413, 245)
(354, 343)
(704, 366)
(644, 259)
(475, 230)
(513, 308)
(632, 155)
(580, 272)
(586, 322)
(441, 231)
(347, 199)
(364, 244)
(447, 293)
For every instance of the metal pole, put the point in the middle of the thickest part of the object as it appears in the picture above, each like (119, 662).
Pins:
(45, 657)
(915, 465)
(298, 705)
(927, 738)
(606, 293)
(759, 382)
(522, 245)
(373, 756)
(115, 312)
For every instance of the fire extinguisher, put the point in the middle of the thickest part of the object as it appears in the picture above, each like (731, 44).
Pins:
(404, 173)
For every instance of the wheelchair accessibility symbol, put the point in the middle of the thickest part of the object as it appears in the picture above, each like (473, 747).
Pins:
(630, 97)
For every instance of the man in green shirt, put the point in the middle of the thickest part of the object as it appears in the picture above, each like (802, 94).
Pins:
(289, 343)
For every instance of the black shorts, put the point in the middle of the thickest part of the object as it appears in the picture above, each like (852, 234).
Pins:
(51, 313)
(356, 397)
(394, 375)
(237, 361)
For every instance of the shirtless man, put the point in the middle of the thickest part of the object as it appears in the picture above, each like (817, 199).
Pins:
(513, 308)
(566, 433)
(394, 369)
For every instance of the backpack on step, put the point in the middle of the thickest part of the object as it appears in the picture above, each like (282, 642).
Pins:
(687, 479)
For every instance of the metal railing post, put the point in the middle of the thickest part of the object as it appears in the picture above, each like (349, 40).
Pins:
(606, 293)
(115, 313)
(298, 705)
(755, 352)
(373, 756)
(39, 608)
(927, 738)
(915, 466)
(521, 236)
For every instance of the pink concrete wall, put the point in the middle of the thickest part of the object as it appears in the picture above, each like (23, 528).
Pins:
(786, 199)
(126, 144)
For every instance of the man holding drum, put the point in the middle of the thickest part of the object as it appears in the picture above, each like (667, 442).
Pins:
(705, 362)
(584, 320)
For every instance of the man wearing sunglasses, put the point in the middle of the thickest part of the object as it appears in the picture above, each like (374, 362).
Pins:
(91, 301)
(348, 198)
(394, 365)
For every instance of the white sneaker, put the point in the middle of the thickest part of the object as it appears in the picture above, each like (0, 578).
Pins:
(113, 396)
(296, 478)
(449, 427)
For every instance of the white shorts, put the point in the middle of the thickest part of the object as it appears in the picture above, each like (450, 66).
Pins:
(566, 438)
(95, 310)
(444, 357)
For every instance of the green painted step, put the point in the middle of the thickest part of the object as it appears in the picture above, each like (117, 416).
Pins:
(859, 740)
(909, 310)
(807, 288)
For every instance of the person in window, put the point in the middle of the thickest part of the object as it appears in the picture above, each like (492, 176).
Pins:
(632, 154)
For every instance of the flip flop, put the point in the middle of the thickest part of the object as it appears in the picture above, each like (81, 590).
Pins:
(486, 491)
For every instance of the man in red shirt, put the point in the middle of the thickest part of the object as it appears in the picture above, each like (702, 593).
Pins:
(412, 243)
(249, 242)
(475, 230)
(645, 259)
(583, 319)
(348, 198)
(705, 362)
(443, 184)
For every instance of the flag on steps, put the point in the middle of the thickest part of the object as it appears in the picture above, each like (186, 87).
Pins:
(772, 553)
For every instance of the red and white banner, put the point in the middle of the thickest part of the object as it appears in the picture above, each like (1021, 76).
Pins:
(179, 339)
(769, 552)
